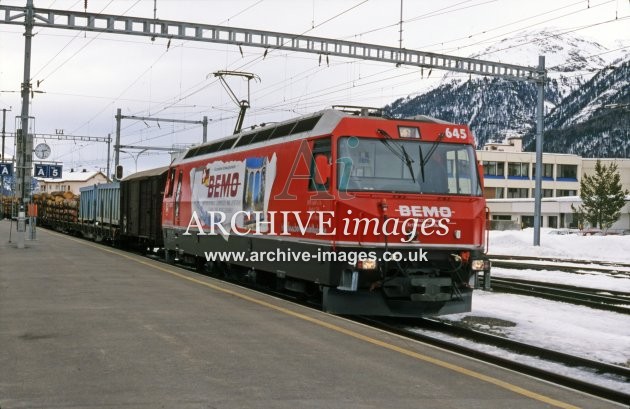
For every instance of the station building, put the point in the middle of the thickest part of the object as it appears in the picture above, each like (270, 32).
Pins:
(509, 180)
(72, 181)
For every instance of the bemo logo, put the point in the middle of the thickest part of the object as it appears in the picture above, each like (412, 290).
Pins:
(424, 211)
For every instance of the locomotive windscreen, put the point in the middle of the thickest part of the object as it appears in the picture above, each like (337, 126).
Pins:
(388, 165)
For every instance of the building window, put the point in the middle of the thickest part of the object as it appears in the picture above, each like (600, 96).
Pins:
(552, 221)
(494, 192)
(516, 192)
(501, 217)
(547, 193)
(493, 169)
(528, 221)
(547, 171)
(566, 192)
(567, 172)
(518, 170)
(574, 222)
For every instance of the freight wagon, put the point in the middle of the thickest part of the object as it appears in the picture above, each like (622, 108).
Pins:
(99, 211)
(141, 208)
(125, 213)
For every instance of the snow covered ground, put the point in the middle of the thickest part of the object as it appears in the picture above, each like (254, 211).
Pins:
(573, 329)
(569, 246)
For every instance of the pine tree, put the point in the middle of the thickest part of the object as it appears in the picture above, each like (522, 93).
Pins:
(602, 196)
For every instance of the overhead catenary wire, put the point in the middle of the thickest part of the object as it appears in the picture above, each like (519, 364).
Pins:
(245, 65)
(76, 52)
(511, 23)
(140, 76)
(151, 66)
(199, 90)
(333, 91)
(438, 12)
(516, 30)
(556, 35)
(304, 98)
(192, 93)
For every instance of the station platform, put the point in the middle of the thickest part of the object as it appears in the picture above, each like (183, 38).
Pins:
(84, 325)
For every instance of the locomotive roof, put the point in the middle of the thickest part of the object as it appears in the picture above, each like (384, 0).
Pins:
(319, 123)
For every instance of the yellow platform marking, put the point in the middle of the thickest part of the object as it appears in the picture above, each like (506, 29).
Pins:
(365, 338)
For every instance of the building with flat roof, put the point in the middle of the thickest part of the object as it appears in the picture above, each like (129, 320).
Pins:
(509, 173)
(509, 183)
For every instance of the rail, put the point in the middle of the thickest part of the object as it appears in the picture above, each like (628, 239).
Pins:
(621, 373)
(615, 301)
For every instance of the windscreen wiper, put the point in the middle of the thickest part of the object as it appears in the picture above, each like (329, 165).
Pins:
(422, 161)
(434, 146)
(401, 154)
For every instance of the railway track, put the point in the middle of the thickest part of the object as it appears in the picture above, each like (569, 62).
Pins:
(406, 328)
(594, 298)
(566, 265)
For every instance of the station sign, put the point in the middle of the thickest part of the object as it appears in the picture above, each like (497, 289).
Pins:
(6, 169)
(48, 171)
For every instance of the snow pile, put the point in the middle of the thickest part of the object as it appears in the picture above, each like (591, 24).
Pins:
(569, 246)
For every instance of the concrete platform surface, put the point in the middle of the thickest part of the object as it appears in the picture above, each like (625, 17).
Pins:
(86, 326)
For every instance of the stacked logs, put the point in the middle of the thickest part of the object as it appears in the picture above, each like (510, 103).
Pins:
(57, 207)
(8, 205)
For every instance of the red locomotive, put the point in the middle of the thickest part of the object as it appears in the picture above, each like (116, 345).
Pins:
(381, 216)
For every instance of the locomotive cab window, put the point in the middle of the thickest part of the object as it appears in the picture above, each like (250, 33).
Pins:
(178, 195)
(321, 149)
(170, 182)
(407, 166)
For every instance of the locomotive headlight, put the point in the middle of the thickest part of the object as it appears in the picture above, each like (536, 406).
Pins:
(480, 265)
(367, 264)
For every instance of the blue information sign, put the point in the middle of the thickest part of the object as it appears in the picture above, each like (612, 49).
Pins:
(55, 171)
(48, 171)
(6, 169)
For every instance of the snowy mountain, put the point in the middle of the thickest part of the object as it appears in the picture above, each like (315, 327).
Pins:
(594, 120)
(581, 90)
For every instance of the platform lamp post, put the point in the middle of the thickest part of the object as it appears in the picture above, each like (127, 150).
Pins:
(540, 84)
(24, 155)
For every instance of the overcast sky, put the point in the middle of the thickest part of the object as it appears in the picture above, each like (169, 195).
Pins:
(85, 77)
